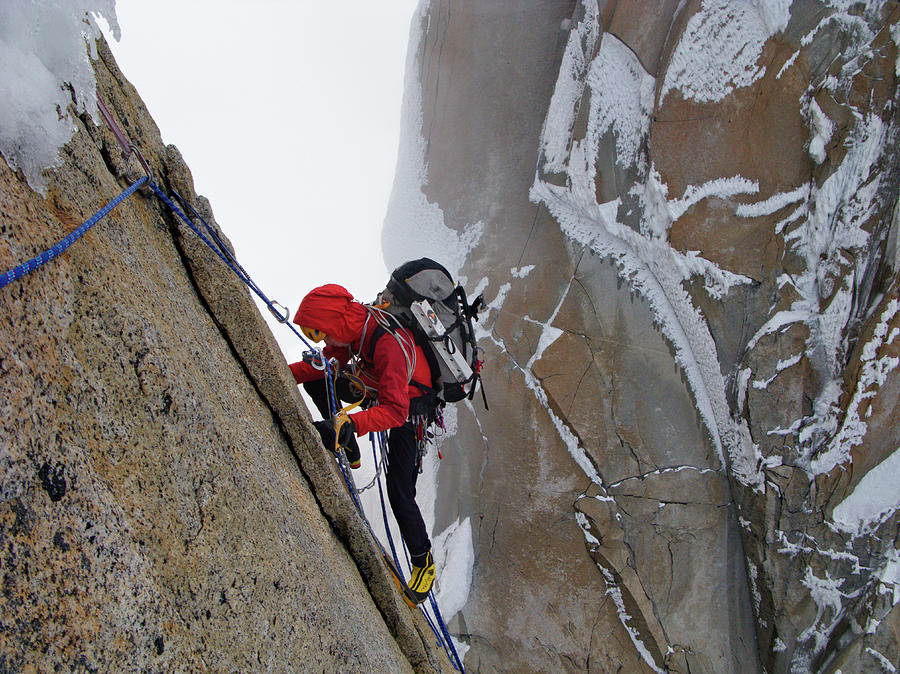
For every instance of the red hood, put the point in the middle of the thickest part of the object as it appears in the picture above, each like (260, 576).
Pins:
(332, 309)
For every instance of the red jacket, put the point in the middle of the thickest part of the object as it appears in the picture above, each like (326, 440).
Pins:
(332, 309)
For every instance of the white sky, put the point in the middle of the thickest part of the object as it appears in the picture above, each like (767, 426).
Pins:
(287, 112)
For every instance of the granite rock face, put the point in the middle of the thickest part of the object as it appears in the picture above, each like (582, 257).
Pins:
(684, 218)
(165, 504)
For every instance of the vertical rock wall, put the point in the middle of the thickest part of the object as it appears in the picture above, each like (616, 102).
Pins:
(164, 502)
(684, 219)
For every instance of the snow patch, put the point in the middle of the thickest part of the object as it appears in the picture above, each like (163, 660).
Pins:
(716, 281)
(659, 471)
(549, 334)
(45, 47)
(826, 594)
(776, 14)
(454, 554)
(872, 375)
(624, 93)
(822, 128)
(569, 89)
(585, 525)
(895, 35)
(753, 577)
(890, 577)
(615, 593)
(787, 64)
(414, 225)
(520, 272)
(720, 187)
(762, 385)
(884, 663)
(743, 379)
(873, 500)
(721, 46)
(774, 203)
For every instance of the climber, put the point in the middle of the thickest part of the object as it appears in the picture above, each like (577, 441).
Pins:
(389, 364)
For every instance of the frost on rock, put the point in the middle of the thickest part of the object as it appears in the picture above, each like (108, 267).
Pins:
(720, 48)
(873, 500)
(45, 48)
(626, 101)
(620, 102)
(569, 89)
(827, 595)
(415, 224)
(830, 232)
(875, 367)
(823, 128)
(895, 35)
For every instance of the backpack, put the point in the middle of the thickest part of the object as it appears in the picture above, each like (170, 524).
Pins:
(422, 297)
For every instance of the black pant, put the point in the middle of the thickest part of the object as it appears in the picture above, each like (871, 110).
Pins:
(402, 473)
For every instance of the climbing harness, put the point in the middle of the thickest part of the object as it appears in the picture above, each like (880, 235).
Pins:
(280, 312)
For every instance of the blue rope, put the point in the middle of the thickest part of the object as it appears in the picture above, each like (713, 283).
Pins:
(47, 255)
(221, 250)
(387, 528)
(226, 257)
(444, 642)
(235, 265)
(446, 632)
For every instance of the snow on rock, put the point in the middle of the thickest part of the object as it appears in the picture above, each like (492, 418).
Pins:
(720, 48)
(454, 554)
(522, 272)
(45, 48)
(875, 368)
(683, 319)
(823, 128)
(648, 262)
(415, 224)
(166, 502)
(827, 595)
(895, 34)
(569, 89)
(626, 101)
(874, 499)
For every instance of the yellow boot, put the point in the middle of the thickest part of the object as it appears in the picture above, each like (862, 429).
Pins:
(422, 577)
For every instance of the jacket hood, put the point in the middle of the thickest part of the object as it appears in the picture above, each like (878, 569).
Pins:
(332, 309)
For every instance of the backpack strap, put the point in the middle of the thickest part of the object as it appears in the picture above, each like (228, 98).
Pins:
(433, 365)
(380, 331)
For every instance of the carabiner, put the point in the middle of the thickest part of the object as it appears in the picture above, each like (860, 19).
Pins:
(142, 162)
(281, 318)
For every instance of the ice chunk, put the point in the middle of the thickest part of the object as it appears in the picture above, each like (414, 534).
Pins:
(45, 48)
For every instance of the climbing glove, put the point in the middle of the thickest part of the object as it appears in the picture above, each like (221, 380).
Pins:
(346, 430)
(346, 437)
(326, 432)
